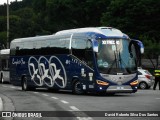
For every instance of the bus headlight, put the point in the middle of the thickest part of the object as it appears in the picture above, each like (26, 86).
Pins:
(134, 83)
(99, 82)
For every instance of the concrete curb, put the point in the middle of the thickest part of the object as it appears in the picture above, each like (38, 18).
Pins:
(1, 105)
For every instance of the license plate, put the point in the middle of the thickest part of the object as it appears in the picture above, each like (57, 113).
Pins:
(120, 88)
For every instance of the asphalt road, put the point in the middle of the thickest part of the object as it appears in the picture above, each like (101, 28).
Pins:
(41, 100)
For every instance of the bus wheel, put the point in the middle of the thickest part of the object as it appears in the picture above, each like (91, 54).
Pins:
(24, 84)
(1, 80)
(77, 88)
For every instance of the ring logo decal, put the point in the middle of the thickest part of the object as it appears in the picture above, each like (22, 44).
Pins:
(47, 72)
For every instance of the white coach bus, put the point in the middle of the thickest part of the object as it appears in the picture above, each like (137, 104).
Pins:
(4, 65)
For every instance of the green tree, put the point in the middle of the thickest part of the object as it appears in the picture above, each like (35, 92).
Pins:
(3, 37)
(137, 18)
(3, 23)
(134, 17)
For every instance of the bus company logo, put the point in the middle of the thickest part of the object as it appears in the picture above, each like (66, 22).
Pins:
(48, 72)
(18, 61)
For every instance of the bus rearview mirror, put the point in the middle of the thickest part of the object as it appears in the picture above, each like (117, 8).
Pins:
(138, 44)
(95, 46)
(142, 50)
(95, 49)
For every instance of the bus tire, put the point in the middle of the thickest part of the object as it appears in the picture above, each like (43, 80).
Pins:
(24, 84)
(1, 80)
(77, 88)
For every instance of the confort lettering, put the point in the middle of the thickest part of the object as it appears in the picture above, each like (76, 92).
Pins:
(18, 61)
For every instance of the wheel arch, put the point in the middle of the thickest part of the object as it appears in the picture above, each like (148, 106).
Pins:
(74, 79)
(22, 78)
(1, 76)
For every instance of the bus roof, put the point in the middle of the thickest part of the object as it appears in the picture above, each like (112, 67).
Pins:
(33, 38)
(5, 51)
(107, 31)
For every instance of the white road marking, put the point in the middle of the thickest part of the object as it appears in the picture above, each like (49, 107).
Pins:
(55, 98)
(84, 118)
(1, 104)
(65, 102)
(158, 98)
(4, 86)
(80, 118)
(13, 87)
(45, 95)
(19, 88)
(74, 108)
(36, 92)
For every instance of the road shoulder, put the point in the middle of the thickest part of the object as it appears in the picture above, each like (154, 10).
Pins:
(1, 104)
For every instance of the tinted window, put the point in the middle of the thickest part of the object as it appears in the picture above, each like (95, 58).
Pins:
(59, 46)
(49, 46)
(82, 49)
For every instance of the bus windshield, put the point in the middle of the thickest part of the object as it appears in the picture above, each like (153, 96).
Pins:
(113, 57)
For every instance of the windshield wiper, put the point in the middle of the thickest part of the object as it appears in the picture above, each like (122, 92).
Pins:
(115, 61)
(122, 62)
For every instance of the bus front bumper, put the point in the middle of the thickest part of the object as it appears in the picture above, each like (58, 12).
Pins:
(121, 89)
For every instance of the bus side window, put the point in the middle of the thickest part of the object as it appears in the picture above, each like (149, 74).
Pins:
(28, 46)
(5, 64)
(64, 45)
(37, 45)
(19, 47)
(89, 53)
(82, 49)
(48, 43)
(78, 48)
(44, 49)
(59, 46)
